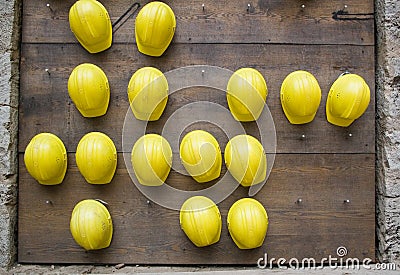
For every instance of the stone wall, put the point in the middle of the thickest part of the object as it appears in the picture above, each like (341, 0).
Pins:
(9, 78)
(388, 128)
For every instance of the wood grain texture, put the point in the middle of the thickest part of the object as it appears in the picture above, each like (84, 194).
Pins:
(324, 169)
(150, 234)
(222, 22)
(46, 106)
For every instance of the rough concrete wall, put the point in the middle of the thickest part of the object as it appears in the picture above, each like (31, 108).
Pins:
(388, 129)
(10, 11)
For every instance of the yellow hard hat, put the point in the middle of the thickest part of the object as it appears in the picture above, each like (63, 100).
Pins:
(151, 159)
(46, 159)
(91, 225)
(91, 25)
(246, 94)
(96, 158)
(154, 28)
(201, 221)
(247, 223)
(300, 97)
(246, 160)
(89, 90)
(347, 100)
(201, 156)
(148, 93)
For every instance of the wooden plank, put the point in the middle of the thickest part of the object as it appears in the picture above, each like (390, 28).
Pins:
(222, 22)
(45, 105)
(150, 234)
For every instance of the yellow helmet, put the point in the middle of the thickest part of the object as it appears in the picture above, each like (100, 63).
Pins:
(300, 97)
(201, 221)
(201, 156)
(91, 25)
(247, 223)
(96, 158)
(46, 159)
(91, 225)
(148, 93)
(154, 28)
(151, 159)
(347, 100)
(246, 94)
(246, 160)
(89, 90)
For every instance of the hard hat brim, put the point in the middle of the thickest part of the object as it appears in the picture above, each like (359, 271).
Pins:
(149, 51)
(98, 47)
(95, 112)
(297, 119)
(342, 122)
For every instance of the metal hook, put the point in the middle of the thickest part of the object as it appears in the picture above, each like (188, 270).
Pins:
(346, 201)
(203, 6)
(303, 136)
(202, 72)
(299, 200)
(303, 6)
(47, 71)
(248, 7)
(124, 17)
(350, 135)
(48, 5)
(344, 73)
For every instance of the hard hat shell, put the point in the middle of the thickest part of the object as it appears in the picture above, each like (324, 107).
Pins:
(96, 158)
(91, 225)
(46, 159)
(148, 93)
(247, 223)
(154, 28)
(201, 156)
(91, 25)
(151, 159)
(246, 160)
(246, 94)
(347, 100)
(89, 90)
(200, 219)
(300, 97)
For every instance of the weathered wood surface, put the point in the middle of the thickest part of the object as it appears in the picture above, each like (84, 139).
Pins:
(148, 233)
(268, 21)
(324, 169)
(46, 106)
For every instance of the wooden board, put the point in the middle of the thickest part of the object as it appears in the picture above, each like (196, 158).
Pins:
(324, 169)
(150, 234)
(47, 100)
(269, 21)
